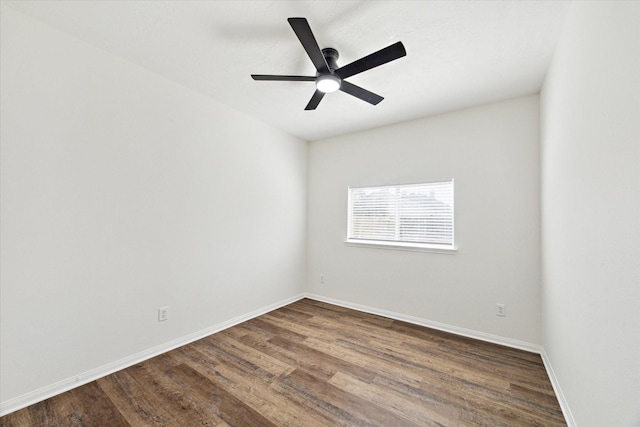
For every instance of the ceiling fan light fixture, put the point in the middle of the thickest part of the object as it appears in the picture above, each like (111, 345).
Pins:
(328, 83)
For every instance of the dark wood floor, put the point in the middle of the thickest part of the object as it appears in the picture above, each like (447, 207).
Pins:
(315, 364)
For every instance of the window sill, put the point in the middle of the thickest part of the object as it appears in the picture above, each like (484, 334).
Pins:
(417, 247)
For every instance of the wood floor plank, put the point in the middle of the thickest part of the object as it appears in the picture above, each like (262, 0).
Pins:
(229, 408)
(367, 361)
(314, 358)
(351, 326)
(265, 399)
(239, 351)
(449, 400)
(228, 354)
(339, 405)
(395, 402)
(320, 370)
(64, 407)
(44, 413)
(137, 406)
(472, 371)
(315, 364)
(276, 330)
(176, 400)
(18, 419)
(92, 407)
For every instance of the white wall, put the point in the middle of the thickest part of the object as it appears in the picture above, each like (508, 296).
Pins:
(590, 115)
(122, 192)
(492, 152)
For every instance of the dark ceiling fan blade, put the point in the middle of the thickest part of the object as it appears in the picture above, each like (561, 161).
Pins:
(303, 31)
(380, 57)
(283, 78)
(361, 93)
(315, 100)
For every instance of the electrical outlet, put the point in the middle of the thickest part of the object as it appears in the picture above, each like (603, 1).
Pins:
(322, 278)
(500, 310)
(162, 314)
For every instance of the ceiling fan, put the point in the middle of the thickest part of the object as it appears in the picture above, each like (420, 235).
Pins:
(329, 77)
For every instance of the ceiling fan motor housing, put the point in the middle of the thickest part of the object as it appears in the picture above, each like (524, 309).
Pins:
(329, 82)
(331, 56)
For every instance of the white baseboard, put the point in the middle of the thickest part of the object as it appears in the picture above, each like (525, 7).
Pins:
(94, 374)
(67, 384)
(496, 339)
(568, 416)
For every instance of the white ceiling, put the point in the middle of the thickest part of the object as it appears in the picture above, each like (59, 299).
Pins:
(459, 54)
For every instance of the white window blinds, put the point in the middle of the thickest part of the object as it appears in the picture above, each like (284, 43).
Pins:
(416, 214)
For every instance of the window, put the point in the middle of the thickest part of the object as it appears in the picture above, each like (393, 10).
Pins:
(409, 216)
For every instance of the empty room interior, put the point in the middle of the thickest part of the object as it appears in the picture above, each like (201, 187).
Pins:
(196, 230)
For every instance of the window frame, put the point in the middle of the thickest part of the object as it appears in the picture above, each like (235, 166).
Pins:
(398, 244)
